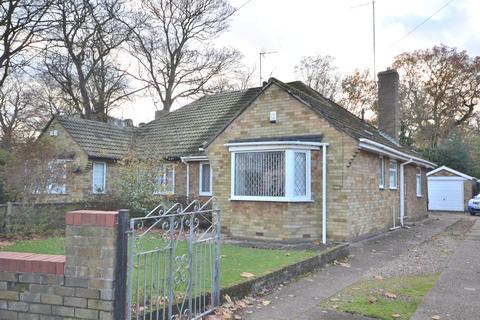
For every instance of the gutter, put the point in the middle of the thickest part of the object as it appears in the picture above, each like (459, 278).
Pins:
(372, 146)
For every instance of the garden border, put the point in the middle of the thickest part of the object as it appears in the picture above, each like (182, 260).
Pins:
(288, 273)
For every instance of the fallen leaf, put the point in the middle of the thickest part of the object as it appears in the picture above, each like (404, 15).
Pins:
(378, 277)
(237, 317)
(390, 295)
(396, 316)
(372, 299)
(266, 302)
(228, 299)
(345, 265)
(287, 254)
(247, 275)
(436, 317)
(334, 299)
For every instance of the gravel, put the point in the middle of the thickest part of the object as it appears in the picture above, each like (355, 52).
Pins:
(428, 257)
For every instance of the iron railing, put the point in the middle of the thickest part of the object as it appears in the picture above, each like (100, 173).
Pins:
(174, 266)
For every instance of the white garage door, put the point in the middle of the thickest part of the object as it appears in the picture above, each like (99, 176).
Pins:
(445, 195)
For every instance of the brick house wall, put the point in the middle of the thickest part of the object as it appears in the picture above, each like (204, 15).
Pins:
(355, 206)
(79, 171)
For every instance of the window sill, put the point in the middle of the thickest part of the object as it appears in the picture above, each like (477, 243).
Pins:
(419, 196)
(393, 188)
(205, 194)
(381, 187)
(267, 199)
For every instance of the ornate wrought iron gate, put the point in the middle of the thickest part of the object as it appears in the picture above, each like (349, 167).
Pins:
(174, 262)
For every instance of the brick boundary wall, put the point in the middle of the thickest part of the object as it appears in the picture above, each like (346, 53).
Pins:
(86, 283)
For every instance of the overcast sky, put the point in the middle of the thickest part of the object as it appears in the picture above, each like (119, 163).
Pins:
(340, 28)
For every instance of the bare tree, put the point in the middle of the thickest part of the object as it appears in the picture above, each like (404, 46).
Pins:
(440, 90)
(20, 115)
(174, 47)
(319, 73)
(82, 55)
(238, 79)
(20, 23)
(360, 94)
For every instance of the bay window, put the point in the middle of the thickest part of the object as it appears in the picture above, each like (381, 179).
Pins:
(271, 175)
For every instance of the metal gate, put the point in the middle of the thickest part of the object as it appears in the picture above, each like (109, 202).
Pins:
(174, 262)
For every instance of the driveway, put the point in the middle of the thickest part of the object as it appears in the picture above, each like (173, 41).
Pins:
(455, 296)
(386, 254)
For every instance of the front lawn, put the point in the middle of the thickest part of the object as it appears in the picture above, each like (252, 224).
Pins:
(234, 259)
(396, 298)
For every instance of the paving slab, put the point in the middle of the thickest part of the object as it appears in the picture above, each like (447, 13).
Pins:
(301, 299)
(456, 294)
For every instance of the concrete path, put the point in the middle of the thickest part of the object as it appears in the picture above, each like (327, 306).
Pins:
(300, 300)
(456, 295)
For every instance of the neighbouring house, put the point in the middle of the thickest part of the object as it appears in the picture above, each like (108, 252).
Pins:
(283, 162)
(450, 190)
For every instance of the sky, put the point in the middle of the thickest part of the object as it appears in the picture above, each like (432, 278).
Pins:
(340, 28)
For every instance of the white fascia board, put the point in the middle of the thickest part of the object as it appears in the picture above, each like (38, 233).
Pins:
(446, 178)
(458, 173)
(274, 145)
(369, 145)
(194, 158)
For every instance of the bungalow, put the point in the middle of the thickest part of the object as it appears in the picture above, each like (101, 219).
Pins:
(283, 162)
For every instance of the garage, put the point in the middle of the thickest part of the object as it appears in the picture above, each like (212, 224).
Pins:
(449, 190)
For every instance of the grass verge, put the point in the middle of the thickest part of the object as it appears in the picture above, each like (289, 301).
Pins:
(382, 299)
(234, 259)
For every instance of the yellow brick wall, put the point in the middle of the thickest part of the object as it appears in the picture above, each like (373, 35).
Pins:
(356, 207)
(278, 220)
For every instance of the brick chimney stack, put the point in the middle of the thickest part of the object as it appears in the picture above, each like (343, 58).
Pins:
(389, 104)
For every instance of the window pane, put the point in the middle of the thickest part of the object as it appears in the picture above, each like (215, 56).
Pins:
(260, 174)
(98, 177)
(170, 183)
(300, 174)
(205, 178)
(57, 176)
(382, 173)
(393, 174)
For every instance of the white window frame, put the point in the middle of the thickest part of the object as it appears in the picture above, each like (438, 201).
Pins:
(289, 175)
(418, 182)
(163, 168)
(390, 170)
(381, 183)
(63, 188)
(104, 177)
(200, 179)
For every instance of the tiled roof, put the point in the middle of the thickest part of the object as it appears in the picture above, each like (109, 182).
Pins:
(183, 131)
(338, 116)
(98, 139)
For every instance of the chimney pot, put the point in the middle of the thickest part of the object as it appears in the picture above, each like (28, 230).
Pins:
(389, 104)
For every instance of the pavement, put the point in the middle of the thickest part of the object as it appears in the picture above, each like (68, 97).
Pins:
(456, 294)
(301, 299)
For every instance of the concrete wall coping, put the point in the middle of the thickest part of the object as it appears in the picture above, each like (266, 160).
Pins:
(92, 218)
(32, 262)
